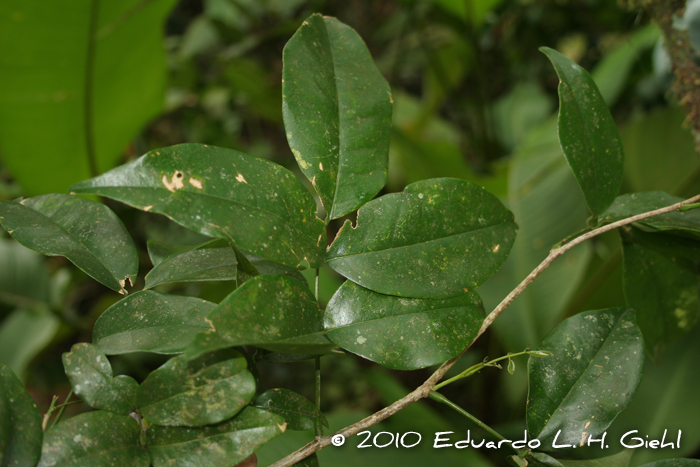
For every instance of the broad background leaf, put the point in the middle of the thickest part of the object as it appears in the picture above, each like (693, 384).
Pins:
(337, 113)
(662, 288)
(98, 64)
(299, 412)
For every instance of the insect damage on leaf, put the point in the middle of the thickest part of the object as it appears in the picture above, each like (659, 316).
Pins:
(175, 182)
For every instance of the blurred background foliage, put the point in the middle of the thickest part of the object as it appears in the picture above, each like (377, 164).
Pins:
(473, 99)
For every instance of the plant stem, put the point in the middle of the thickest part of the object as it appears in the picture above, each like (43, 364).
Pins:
(424, 389)
(318, 427)
(63, 409)
(436, 396)
(47, 416)
(476, 368)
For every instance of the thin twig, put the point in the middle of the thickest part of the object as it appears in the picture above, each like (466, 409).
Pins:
(424, 389)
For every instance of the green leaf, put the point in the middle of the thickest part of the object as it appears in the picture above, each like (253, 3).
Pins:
(621, 459)
(402, 333)
(337, 113)
(274, 312)
(264, 266)
(587, 134)
(299, 412)
(511, 366)
(92, 75)
(674, 463)
(624, 206)
(256, 204)
(150, 322)
(666, 402)
(90, 374)
(23, 276)
(20, 423)
(437, 239)
(23, 334)
(207, 390)
(210, 261)
(95, 439)
(225, 444)
(595, 369)
(89, 234)
(662, 288)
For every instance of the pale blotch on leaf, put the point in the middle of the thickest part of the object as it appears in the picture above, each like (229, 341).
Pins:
(496, 248)
(175, 182)
(196, 183)
(147, 208)
(240, 178)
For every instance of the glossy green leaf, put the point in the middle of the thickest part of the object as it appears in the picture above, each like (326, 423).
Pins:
(437, 239)
(87, 233)
(274, 312)
(20, 423)
(150, 322)
(94, 439)
(595, 369)
(206, 390)
(628, 205)
(337, 113)
(23, 334)
(264, 266)
(210, 261)
(224, 444)
(674, 463)
(402, 333)
(90, 374)
(587, 134)
(299, 412)
(662, 288)
(92, 75)
(256, 204)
